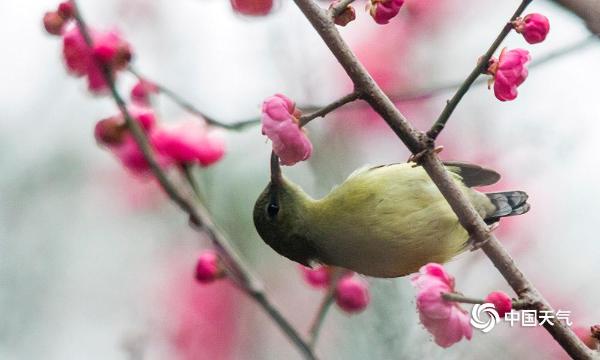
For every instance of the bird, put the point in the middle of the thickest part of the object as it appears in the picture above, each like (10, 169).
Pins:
(384, 221)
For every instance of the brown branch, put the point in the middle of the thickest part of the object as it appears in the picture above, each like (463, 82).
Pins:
(416, 143)
(199, 216)
(479, 69)
(305, 119)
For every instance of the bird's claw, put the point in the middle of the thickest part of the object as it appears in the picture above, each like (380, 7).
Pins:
(418, 157)
(476, 245)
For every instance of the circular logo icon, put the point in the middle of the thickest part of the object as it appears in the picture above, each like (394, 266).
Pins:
(492, 317)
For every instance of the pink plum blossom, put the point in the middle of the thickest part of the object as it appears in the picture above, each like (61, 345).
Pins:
(533, 27)
(382, 11)
(189, 142)
(280, 124)
(508, 72)
(352, 294)
(319, 276)
(53, 23)
(208, 267)
(109, 47)
(502, 302)
(252, 7)
(445, 320)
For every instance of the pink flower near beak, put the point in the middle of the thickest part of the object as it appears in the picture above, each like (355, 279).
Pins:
(280, 123)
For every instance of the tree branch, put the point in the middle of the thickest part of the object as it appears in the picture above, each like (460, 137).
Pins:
(416, 143)
(479, 69)
(305, 119)
(199, 216)
(587, 10)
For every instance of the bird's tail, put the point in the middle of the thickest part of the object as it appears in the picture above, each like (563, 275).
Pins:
(508, 203)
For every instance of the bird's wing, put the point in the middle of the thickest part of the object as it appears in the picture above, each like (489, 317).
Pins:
(471, 174)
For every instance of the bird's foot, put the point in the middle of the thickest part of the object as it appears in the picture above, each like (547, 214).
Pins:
(418, 157)
(476, 245)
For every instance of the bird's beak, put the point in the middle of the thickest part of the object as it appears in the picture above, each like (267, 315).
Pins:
(276, 179)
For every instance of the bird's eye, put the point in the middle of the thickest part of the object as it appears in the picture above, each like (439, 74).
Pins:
(272, 210)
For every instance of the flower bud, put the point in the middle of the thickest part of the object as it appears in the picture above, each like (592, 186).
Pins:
(141, 91)
(110, 131)
(318, 277)
(53, 23)
(252, 7)
(534, 27)
(208, 267)
(382, 11)
(502, 302)
(66, 10)
(352, 294)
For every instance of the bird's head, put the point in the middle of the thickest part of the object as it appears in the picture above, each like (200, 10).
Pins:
(280, 217)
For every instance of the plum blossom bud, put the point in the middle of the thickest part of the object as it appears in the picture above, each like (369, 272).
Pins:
(110, 131)
(141, 91)
(252, 7)
(502, 302)
(344, 17)
(280, 123)
(352, 294)
(445, 320)
(509, 71)
(53, 23)
(189, 142)
(66, 10)
(318, 277)
(533, 27)
(209, 267)
(382, 11)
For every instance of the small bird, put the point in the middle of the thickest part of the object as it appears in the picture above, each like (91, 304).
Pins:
(385, 221)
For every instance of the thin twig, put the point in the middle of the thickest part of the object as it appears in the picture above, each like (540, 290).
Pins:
(325, 305)
(199, 216)
(479, 69)
(305, 119)
(317, 323)
(516, 304)
(189, 107)
(416, 143)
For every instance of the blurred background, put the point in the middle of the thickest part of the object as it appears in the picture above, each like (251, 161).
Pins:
(97, 264)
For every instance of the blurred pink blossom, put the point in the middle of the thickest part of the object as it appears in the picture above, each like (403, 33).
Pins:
(252, 7)
(189, 142)
(352, 294)
(502, 302)
(445, 320)
(280, 124)
(319, 276)
(141, 91)
(509, 71)
(382, 11)
(53, 23)
(534, 27)
(109, 47)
